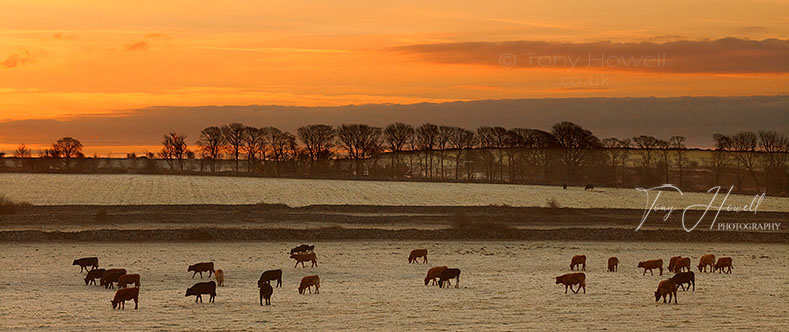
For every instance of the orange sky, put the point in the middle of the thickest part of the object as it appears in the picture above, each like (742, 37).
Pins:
(64, 58)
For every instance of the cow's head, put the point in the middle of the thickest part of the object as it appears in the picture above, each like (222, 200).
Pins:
(640, 264)
(657, 296)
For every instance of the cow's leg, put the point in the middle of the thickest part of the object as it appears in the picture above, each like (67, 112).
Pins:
(565, 289)
(297, 265)
(135, 303)
(661, 270)
(194, 274)
(210, 272)
(584, 267)
(457, 283)
(425, 259)
(584, 289)
(645, 272)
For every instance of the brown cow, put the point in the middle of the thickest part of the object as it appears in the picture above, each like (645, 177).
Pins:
(219, 275)
(666, 288)
(125, 294)
(201, 288)
(127, 279)
(269, 275)
(308, 282)
(571, 279)
(706, 260)
(723, 263)
(93, 275)
(683, 278)
(304, 257)
(110, 276)
(447, 275)
(265, 292)
(416, 253)
(673, 262)
(434, 273)
(682, 264)
(84, 263)
(613, 264)
(652, 264)
(578, 260)
(200, 268)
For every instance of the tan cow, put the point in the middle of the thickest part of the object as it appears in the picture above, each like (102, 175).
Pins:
(673, 262)
(651, 264)
(220, 277)
(308, 282)
(434, 273)
(706, 260)
(578, 260)
(305, 257)
(666, 288)
(723, 263)
(571, 279)
(613, 264)
(682, 264)
(416, 253)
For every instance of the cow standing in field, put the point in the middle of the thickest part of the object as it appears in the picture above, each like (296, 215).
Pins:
(219, 275)
(683, 278)
(650, 265)
(682, 264)
(673, 262)
(201, 288)
(93, 275)
(448, 275)
(308, 282)
(434, 273)
(270, 275)
(666, 288)
(723, 263)
(570, 279)
(85, 263)
(613, 264)
(706, 260)
(302, 257)
(125, 294)
(110, 276)
(265, 292)
(578, 260)
(589, 187)
(200, 268)
(128, 279)
(416, 253)
(302, 248)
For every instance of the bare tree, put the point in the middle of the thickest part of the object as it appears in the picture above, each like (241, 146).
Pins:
(174, 147)
(67, 148)
(613, 153)
(253, 144)
(397, 136)
(774, 161)
(646, 144)
(234, 137)
(744, 145)
(442, 143)
(360, 141)
(719, 157)
(211, 142)
(461, 141)
(281, 143)
(318, 140)
(426, 137)
(678, 144)
(574, 142)
(624, 145)
(22, 152)
(487, 141)
(664, 153)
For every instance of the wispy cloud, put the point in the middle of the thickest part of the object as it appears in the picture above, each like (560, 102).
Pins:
(137, 46)
(274, 49)
(17, 59)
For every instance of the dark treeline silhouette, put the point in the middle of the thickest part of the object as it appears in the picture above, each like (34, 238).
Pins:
(565, 154)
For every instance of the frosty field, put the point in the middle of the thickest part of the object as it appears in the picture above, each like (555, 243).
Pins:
(55, 189)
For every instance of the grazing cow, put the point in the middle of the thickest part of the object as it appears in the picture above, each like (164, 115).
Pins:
(265, 293)
(682, 264)
(308, 282)
(706, 260)
(578, 260)
(447, 275)
(93, 275)
(673, 262)
(110, 276)
(589, 187)
(125, 294)
(613, 264)
(723, 263)
(564, 186)
(666, 288)
(416, 253)
(84, 263)
(651, 264)
(220, 277)
(570, 279)
(201, 288)
(200, 268)
(127, 279)
(269, 275)
(302, 257)
(434, 273)
(302, 248)
(683, 278)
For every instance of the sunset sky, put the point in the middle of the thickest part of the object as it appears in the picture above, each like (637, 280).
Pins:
(63, 59)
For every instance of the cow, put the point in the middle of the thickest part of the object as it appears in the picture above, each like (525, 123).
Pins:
(589, 187)
(683, 278)
(84, 263)
(570, 279)
(219, 275)
(434, 273)
(265, 293)
(127, 279)
(613, 264)
(447, 275)
(578, 260)
(93, 275)
(308, 282)
(302, 248)
(200, 268)
(125, 294)
(269, 275)
(416, 253)
(666, 288)
(682, 264)
(723, 263)
(201, 288)
(110, 276)
(706, 260)
(304, 257)
(673, 262)
(651, 264)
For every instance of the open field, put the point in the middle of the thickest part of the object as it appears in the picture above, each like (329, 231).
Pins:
(75, 189)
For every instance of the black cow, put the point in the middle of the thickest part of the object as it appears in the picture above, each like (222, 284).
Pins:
(93, 275)
(86, 262)
(302, 248)
(682, 278)
(269, 275)
(448, 274)
(201, 288)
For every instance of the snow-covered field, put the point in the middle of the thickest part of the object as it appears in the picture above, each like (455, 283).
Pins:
(56, 189)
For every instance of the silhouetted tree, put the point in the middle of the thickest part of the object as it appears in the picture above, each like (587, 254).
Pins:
(719, 158)
(774, 161)
(462, 140)
(646, 144)
(67, 148)
(574, 142)
(361, 141)
(211, 142)
(174, 147)
(234, 137)
(664, 147)
(397, 136)
(426, 137)
(253, 143)
(744, 144)
(678, 144)
(318, 140)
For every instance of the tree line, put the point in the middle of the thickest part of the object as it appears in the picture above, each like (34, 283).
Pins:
(565, 154)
